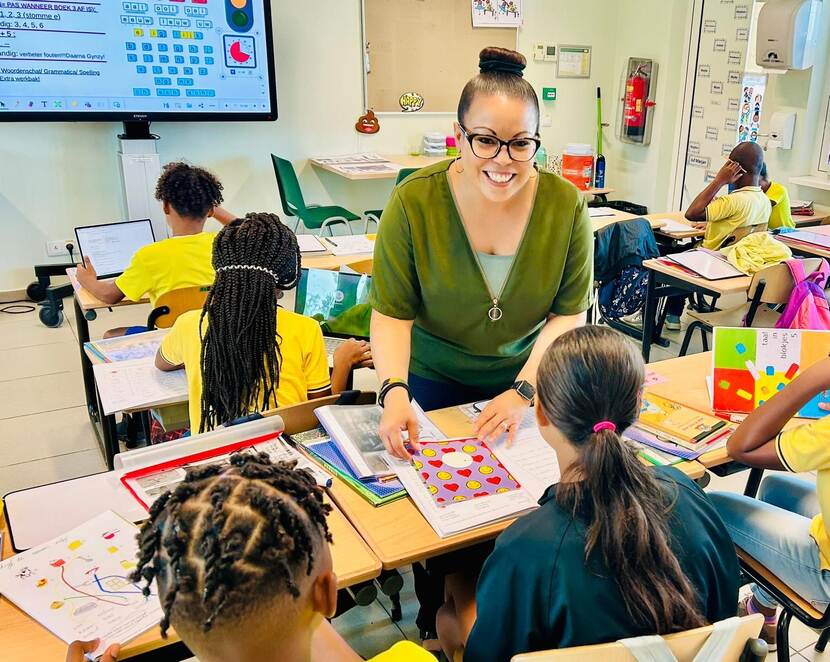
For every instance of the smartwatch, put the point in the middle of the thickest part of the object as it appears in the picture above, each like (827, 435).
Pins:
(524, 389)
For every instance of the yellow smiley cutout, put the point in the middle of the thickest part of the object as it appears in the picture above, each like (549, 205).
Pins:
(473, 484)
(459, 498)
(432, 489)
(486, 470)
(502, 490)
(75, 544)
(428, 452)
(444, 475)
(468, 448)
(57, 604)
(418, 465)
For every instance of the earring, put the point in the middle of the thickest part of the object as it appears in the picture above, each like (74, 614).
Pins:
(458, 169)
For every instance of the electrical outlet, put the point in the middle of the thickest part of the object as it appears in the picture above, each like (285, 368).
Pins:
(57, 247)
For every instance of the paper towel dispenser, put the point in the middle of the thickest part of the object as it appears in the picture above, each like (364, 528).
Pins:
(786, 36)
(781, 130)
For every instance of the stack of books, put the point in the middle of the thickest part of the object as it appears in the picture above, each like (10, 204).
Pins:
(667, 432)
(801, 207)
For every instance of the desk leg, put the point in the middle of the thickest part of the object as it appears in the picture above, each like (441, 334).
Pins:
(649, 314)
(753, 482)
(82, 329)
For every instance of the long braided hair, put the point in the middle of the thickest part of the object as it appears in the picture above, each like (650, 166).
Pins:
(254, 258)
(226, 535)
(593, 374)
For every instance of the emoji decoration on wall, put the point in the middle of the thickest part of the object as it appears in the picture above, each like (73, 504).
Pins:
(411, 102)
(367, 123)
(460, 470)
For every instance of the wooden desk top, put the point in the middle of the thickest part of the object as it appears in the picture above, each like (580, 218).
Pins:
(820, 215)
(680, 218)
(807, 249)
(400, 160)
(25, 639)
(89, 301)
(736, 285)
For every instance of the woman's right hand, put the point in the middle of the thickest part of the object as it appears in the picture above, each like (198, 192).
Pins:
(398, 415)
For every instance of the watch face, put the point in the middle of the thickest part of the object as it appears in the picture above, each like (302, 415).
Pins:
(525, 389)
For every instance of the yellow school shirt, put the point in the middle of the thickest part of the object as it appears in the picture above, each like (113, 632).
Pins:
(744, 206)
(781, 216)
(807, 448)
(168, 265)
(404, 651)
(304, 364)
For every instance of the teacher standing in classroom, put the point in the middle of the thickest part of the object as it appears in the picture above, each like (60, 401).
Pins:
(480, 263)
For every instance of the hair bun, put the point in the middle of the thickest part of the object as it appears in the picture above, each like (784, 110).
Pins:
(503, 60)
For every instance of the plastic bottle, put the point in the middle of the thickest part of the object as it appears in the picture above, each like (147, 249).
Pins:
(542, 157)
(599, 172)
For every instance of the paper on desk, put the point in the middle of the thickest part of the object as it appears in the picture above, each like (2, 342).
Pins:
(349, 244)
(138, 384)
(77, 585)
(600, 212)
(125, 348)
(310, 243)
(368, 157)
(385, 167)
(669, 225)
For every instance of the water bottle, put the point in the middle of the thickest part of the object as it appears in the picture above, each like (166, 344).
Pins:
(542, 157)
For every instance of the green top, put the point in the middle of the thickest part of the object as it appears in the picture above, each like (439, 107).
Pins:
(496, 268)
(425, 270)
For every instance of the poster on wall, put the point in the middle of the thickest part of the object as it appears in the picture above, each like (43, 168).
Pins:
(752, 101)
(497, 13)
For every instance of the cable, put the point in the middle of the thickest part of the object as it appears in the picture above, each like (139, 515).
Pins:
(20, 305)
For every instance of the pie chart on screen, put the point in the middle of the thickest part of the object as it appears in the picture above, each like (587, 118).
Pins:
(238, 54)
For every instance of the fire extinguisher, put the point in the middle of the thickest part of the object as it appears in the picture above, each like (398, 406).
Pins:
(635, 104)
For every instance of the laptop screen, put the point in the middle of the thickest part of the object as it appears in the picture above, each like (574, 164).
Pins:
(338, 301)
(111, 246)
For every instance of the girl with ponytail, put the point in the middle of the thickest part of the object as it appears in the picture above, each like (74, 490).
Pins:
(617, 549)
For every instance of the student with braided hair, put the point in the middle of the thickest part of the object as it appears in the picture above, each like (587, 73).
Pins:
(189, 196)
(242, 563)
(242, 352)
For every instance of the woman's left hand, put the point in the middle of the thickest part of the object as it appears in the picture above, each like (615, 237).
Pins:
(504, 414)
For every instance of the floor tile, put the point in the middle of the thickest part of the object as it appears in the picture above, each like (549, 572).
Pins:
(42, 435)
(119, 316)
(40, 394)
(36, 360)
(369, 630)
(27, 331)
(811, 654)
(50, 470)
(801, 636)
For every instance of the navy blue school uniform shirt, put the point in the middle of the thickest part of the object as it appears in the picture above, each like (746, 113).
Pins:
(535, 591)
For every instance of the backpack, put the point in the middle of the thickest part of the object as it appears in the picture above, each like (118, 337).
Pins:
(807, 307)
(625, 294)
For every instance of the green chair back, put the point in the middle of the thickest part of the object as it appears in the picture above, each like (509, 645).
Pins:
(403, 173)
(291, 197)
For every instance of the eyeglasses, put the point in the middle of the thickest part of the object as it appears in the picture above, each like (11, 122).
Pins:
(487, 146)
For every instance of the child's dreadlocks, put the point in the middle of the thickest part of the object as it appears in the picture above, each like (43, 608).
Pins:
(227, 534)
(253, 257)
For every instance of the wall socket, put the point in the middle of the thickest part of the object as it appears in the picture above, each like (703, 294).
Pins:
(57, 247)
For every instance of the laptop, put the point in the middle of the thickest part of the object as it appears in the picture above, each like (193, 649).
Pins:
(111, 246)
(338, 300)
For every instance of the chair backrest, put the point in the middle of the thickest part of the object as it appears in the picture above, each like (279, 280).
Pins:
(778, 282)
(172, 304)
(300, 417)
(744, 231)
(403, 173)
(684, 645)
(291, 196)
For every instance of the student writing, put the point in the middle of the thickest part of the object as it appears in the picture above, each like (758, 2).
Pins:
(243, 567)
(189, 196)
(785, 528)
(242, 352)
(616, 549)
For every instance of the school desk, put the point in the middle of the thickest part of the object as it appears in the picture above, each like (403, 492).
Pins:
(806, 250)
(667, 280)
(820, 216)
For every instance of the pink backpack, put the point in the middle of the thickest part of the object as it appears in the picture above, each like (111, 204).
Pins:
(807, 307)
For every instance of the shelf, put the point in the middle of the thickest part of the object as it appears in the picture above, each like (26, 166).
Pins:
(822, 183)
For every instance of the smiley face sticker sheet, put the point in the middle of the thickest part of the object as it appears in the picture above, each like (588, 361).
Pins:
(461, 469)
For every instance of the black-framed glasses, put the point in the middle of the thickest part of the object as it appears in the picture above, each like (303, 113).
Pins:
(488, 146)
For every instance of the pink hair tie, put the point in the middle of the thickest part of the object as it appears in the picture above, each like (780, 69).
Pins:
(605, 425)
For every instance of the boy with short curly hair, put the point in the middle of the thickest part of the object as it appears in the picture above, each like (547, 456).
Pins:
(189, 196)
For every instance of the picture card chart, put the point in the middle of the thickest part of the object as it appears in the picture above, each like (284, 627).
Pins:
(751, 365)
(78, 586)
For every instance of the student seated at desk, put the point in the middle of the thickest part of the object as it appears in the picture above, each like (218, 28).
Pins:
(242, 562)
(745, 205)
(616, 549)
(786, 527)
(781, 215)
(242, 352)
(189, 196)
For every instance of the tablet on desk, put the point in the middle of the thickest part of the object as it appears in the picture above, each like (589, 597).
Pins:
(111, 246)
(707, 264)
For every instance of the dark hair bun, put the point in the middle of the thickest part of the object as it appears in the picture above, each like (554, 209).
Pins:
(502, 60)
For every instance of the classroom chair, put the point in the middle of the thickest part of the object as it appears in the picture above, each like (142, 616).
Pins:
(373, 215)
(174, 303)
(791, 604)
(313, 217)
(739, 233)
(769, 287)
(743, 647)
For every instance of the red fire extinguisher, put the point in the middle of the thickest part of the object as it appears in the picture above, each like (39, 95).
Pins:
(635, 104)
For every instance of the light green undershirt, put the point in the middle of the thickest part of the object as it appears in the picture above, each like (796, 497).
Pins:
(496, 268)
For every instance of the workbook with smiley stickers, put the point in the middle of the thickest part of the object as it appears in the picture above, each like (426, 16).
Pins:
(460, 470)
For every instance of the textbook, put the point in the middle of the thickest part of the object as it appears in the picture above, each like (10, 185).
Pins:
(671, 421)
(78, 585)
(125, 348)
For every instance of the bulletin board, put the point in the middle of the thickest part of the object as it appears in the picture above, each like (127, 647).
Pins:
(428, 47)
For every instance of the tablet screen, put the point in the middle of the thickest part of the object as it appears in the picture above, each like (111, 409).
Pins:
(110, 247)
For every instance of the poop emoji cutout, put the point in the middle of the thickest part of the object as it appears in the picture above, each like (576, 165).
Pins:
(367, 123)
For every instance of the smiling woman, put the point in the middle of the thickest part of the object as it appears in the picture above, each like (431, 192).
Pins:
(480, 263)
